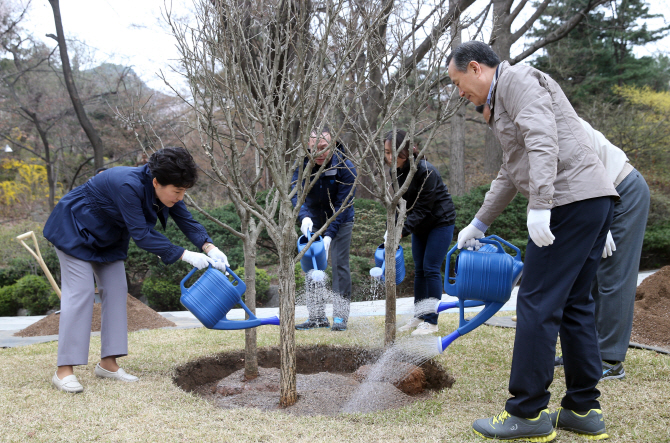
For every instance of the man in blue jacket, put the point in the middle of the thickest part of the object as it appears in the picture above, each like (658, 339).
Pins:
(333, 190)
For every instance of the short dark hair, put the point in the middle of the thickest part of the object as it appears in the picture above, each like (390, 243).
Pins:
(324, 130)
(175, 166)
(99, 170)
(471, 51)
(399, 139)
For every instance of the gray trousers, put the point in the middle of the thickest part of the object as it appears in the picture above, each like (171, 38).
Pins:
(338, 253)
(615, 284)
(76, 309)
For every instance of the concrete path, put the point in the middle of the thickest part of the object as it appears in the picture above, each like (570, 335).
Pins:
(186, 320)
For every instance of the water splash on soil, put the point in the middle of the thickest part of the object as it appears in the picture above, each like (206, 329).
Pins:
(395, 364)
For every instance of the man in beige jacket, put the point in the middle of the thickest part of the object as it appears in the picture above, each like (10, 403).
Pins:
(548, 157)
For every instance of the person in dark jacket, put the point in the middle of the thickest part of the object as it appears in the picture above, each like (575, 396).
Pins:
(430, 219)
(334, 189)
(91, 228)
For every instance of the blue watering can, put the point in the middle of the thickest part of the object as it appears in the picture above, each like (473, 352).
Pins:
(380, 264)
(212, 296)
(484, 277)
(315, 257)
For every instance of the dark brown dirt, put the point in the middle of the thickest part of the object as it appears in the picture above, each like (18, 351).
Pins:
(651, 322)
(412, 384)
(140, 316)
(325, 380)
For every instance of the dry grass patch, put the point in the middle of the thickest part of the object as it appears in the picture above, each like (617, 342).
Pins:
(154, 409)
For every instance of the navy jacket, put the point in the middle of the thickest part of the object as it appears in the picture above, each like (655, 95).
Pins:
(428, 198)
(332, 188)
(94, 222)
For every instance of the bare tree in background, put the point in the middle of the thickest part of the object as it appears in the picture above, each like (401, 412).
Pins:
(86, 125)
(503, 37)
(401, 69)
(34, 98)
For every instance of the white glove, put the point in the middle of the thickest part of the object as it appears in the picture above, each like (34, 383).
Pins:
(538, 227)
(326, 244)
(197, 259)
(220, 259)
(610, 247)
(468, 235)
(386, 234)
(306, 226)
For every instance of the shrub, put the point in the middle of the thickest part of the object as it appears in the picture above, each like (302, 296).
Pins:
(656, 247)
(35, 294)
(8, 303)
(299, 276)
(162, 295)
(262, 283)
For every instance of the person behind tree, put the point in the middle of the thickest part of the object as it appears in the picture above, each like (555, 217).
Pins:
(91, 228)
(430, 220)
(333, 190)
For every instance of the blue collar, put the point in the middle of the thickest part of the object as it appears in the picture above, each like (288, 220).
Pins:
(493, 84)
(157, 205)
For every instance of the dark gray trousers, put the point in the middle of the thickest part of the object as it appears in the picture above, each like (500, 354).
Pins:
(615, 284)
(76, 309)
(338, 253)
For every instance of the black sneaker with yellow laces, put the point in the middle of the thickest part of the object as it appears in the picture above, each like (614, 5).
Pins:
(505, 426)
(589, 424)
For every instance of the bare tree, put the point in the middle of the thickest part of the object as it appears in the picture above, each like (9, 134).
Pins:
(263, 75)
(27, 93)
(457, 136)
(503, 37)
(86, 125)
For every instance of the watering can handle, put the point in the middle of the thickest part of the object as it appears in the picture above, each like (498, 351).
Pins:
(185, 279)
(488, 241)
(449, 286)
(508, 244)
(241, 286)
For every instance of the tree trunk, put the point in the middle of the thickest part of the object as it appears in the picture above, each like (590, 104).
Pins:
(250, 349)
(457, 135)
(85, 123)
(390, 286)
(288, 393)
(49, 164)
(501, 44)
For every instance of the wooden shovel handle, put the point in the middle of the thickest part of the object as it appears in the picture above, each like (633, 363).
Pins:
(38, 257)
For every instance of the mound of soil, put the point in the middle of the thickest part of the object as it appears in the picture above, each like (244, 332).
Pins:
(651, 322)
(140, 316)
(325, 381)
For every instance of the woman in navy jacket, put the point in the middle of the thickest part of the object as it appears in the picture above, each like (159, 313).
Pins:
(430, 219)
(91, 228)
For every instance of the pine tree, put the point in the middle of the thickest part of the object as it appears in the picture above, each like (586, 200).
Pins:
(598, 53)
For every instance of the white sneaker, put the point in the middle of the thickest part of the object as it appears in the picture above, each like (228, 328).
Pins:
(118, 375)
(69, 383)
(413, 323)
(425, 329)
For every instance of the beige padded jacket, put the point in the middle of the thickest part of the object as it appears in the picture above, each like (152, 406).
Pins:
(547, 155)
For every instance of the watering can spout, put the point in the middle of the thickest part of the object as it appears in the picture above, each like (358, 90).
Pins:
(444, 342)
(270, 321)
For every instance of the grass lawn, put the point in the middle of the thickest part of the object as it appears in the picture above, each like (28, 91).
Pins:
(155, 409)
